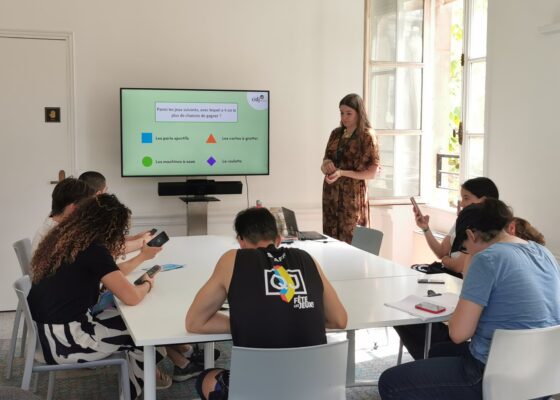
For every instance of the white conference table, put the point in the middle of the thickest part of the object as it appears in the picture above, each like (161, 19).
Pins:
(363, 281)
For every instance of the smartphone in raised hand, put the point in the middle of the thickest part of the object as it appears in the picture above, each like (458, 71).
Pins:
(159, 240)
(415, 205)
(151, 272)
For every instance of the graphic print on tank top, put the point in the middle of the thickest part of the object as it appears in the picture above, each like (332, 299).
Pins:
(288, 284)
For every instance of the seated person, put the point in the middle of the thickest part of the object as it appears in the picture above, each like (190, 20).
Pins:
(501, 269)
(98, 183)
(523, 229)
(71, 262)
(66, 194)
(472, 191)
(181, 355)
(257, 282)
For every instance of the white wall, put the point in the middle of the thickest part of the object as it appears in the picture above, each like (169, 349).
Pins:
(309, 54)
(523, 87)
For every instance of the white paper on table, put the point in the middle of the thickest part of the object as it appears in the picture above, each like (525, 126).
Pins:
(447, 300)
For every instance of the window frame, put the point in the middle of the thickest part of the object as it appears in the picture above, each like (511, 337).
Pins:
(427, 166)
(425, 119)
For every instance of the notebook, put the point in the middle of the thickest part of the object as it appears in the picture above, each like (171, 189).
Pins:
(292, 228)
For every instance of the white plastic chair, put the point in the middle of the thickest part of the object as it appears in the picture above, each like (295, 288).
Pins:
(522, 364)
(311, 373)
(367, 239)
(23, 252)
(22, 287)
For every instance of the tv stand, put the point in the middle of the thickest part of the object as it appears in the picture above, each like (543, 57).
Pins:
(196, 199)
(197, 214)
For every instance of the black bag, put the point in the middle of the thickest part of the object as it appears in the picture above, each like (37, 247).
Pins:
(435, 268)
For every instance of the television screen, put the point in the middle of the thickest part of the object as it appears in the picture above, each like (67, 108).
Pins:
(192, 132)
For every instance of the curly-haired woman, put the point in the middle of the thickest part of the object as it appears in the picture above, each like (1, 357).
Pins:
(67, 269)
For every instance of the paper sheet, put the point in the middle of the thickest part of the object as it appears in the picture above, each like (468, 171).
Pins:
(447, 300)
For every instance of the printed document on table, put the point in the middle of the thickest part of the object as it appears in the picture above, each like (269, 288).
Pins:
(447, 300)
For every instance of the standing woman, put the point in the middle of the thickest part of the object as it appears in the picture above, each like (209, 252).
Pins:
(351, 158)
(73, 259)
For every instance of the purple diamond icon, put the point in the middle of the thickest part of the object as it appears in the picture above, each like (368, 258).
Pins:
(211, 161)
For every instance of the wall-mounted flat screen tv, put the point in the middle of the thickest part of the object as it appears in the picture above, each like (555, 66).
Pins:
(193, 132)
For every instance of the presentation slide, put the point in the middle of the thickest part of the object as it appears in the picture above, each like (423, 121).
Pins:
(176, 132)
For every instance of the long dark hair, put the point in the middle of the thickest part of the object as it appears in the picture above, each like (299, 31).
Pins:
(356, 103)
(101, 219)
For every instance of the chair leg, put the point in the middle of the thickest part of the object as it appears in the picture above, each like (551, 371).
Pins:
(13, 341)
(124, 382)
(399, 357)
(23, 338)
(50, 390)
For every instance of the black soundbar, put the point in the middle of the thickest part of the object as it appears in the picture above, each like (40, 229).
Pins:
(199, 187)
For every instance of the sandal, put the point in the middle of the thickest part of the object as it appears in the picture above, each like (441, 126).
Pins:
(163, 381)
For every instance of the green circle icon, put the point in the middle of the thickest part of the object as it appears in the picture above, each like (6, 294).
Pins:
(147, 161)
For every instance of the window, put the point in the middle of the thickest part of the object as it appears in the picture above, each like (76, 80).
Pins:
(424, 88)
(394, 92)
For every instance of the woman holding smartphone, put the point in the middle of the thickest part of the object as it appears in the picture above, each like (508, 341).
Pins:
(68, 267)
(472, 191)
(503, 269)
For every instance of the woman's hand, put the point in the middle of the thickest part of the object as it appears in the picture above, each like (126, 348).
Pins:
(328, 167)
(148, 252)
(332, 178)
(422, 221)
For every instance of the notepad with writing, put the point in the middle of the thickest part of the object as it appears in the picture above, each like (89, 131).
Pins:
(408, 304)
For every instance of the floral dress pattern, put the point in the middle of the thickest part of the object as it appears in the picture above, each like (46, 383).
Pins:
(345, 202)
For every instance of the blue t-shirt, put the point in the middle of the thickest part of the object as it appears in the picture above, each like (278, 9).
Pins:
(518, 286)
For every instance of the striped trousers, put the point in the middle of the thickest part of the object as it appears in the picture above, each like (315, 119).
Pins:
(94, 338)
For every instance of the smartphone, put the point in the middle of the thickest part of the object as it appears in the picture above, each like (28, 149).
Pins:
(430, 307)
(415, 205)
(159, 240)
(153, 231)
(151, 272)
(427, 280)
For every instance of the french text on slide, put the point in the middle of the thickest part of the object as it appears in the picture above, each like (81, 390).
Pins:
(196, 112)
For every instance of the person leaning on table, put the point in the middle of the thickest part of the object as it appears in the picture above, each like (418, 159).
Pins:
(510, 284)
(265, 310)
(71, 262)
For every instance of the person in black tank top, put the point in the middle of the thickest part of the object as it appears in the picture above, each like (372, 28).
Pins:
(278, 297)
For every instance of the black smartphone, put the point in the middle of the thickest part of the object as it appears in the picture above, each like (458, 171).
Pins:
(153, 231)
(159, 240)
(431, 280)
(151, 272)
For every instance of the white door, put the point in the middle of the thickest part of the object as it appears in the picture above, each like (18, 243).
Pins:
(34, 74)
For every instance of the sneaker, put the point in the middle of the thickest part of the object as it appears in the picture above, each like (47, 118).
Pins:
(198, 356)
(191, 370)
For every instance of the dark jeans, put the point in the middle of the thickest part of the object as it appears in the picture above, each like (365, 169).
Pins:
(451, 372)
(413, 337)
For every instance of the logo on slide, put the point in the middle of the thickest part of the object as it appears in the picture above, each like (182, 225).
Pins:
(284, 283)
(258, 100)
(147, 161)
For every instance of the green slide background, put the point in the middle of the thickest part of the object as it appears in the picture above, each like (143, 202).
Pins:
(139, 115)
